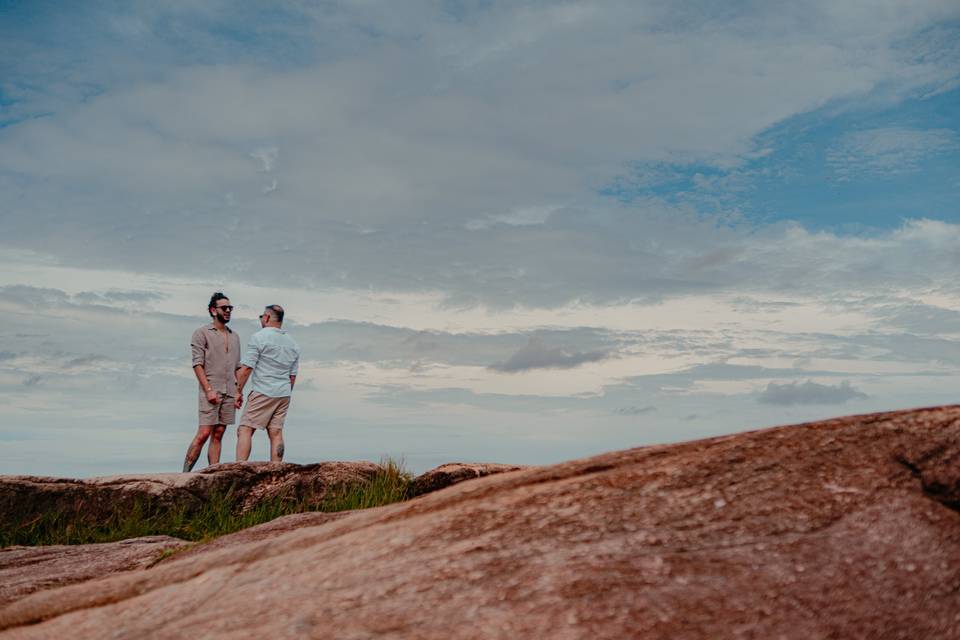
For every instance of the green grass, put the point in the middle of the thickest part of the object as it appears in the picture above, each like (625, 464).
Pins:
(218, 516)
(388, 486)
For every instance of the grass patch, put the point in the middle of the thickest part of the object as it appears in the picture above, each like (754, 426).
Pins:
(219, 515)
(390, 485)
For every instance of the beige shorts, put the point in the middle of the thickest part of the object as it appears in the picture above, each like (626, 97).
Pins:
(264, 412)
(223, 413)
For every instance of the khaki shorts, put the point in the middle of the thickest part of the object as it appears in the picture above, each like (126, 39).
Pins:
(264, 412)
(223, 413)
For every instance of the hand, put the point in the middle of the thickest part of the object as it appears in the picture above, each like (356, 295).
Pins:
(238, 402)
(213, 397)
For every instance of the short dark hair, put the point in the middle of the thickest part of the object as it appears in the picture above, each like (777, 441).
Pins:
(214, 299)
(276, 311)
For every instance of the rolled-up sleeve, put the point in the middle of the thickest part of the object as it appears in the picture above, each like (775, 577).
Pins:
(198, 348)
(252, 354)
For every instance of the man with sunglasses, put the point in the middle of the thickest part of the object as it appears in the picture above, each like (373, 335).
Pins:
(216, 358)
(273, 359)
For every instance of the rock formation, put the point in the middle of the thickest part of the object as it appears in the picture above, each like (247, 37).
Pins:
(845, 528)
(23, 498)
(449, 474)
(24, 570)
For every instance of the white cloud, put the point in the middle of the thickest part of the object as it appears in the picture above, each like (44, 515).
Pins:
(267, 157)
(520, 217)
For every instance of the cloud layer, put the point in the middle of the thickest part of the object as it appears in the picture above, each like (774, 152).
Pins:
(424, 157)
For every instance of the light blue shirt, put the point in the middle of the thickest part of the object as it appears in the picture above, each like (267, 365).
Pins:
(274, 357)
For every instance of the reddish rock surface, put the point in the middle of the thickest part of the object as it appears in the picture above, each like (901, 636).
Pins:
(455, 472)
(840, 529)
(265, 531)
(24, 570)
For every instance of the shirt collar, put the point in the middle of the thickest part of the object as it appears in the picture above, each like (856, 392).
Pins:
(213, 328)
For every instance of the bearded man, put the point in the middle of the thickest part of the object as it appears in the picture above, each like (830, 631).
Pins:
(216, 358)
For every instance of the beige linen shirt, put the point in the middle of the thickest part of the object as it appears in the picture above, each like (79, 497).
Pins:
(220, 358)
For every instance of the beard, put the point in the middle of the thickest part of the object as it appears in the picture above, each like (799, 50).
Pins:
(222, 318)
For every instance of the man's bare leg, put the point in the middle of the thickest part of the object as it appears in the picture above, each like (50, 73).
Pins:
(196, 445)
(244, 436)
(216, 438)
(276, 444)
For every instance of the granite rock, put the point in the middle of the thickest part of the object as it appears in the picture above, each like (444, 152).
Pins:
(846, 528)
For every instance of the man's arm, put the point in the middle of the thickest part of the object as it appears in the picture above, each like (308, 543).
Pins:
(198, 343)
(251, 356)
(243, 373)
(212, 396)
(294, 369)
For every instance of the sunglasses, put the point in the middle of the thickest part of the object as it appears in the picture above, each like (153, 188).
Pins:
(226, 307)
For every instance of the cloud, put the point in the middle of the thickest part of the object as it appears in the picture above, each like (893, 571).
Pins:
(342, 340)
(724, 371)
(634, 410)
(808, 392)
(521, 217)
(119, 297)
(888, 151)
(83, 362)
(45, 297)
(903, 347)
(915, 317)
(537, 355)
(32, 380)
(267, 157)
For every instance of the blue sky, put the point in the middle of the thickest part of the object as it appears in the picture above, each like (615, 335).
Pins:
(517, 232)
(820, 169)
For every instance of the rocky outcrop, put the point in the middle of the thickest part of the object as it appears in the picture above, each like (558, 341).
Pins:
(23, 499)
(24, 570)
(455, 472)
(839, 529)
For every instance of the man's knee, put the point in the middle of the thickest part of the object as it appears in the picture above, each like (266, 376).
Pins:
(218, 431)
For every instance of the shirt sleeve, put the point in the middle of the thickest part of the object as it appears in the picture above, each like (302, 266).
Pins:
(198, 347)
(252, 355)
(295, 366)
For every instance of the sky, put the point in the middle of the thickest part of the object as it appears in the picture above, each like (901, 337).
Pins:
(517, 232)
